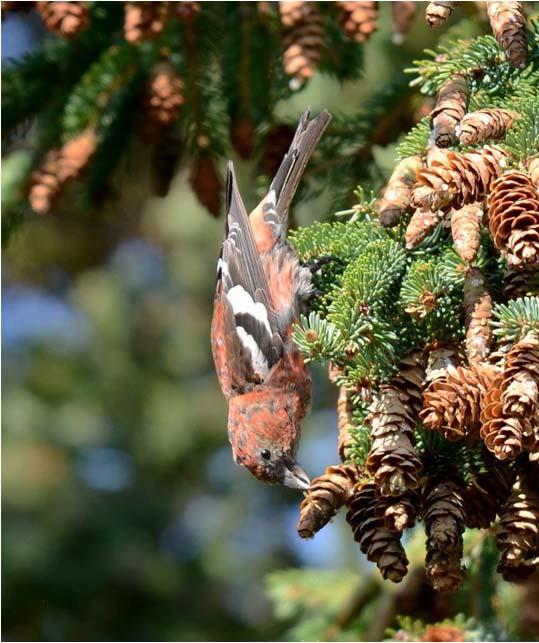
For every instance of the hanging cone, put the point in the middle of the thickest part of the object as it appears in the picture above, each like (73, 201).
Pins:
(444, 516)
(438, 361)
(452, 403)
(453, 179)
(521, 283)
(438, 12)
(303, 40)
(520, 384)
(478, 309)
(206, 184)
(144, 20)
(466, 230)
(277, 144)
(381, 546)
(486, 494)
(344, 422)
(396, 198)
(509, 28)
(59, 167)
(421, 225)
(326, 495)
(65, 19)
(518, 536)
(242, 137)
(165, 96)
(185, 11)
(403, 12)
(392, 459)
(532, 165)
(513, 218)
(400, 513)
(451, 106)
(359, 20)
(166, 157)
(485, 124)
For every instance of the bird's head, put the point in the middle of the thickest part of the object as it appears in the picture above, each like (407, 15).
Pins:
(264, 437)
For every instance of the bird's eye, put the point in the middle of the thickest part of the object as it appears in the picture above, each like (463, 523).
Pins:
(265, 453)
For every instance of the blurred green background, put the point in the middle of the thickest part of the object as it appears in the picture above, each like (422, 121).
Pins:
(124, 516)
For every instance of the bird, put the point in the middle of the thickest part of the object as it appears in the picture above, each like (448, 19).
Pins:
(262, 288)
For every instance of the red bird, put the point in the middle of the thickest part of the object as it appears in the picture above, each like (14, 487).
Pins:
(261, 290)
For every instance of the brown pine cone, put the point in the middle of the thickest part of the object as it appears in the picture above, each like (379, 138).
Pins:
(451, 106)
(509, 28)
(359, 20)
(165, 96)
(144, 20)
(520, 384)
(518, 536)
(505, 436)
(344, 422)
(59, 167)
(421, 225)
(452, 404)
(326, 495)
(396, 197)
(399, 513)
(478, 309)
(303, 40)
(185, 11)
(403, 12)
(486, 493)
(438, 361)
(484, 124)
(532, 165)
(392, 459)
(206, 184)
(466, 230)
(381, 546)
(513, 218)
(454, 179)
(521, 283)
(444, 515)
(65, 19)
(438, 12)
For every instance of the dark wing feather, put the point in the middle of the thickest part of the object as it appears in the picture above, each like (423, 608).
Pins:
(246, 330)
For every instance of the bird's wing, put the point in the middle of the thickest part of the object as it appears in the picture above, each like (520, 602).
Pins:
(270, 217)
(245, 339)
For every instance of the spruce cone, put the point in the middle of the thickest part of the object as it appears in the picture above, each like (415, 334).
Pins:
(65, 19)
(303, 40)
(521, 283)
(144, 20)
(453, 403)
(438, 12)
(359, 19)
(381, 546)
(185, 11)
(450, 108)
(513, 217)
(478, 309)
(392, 459)
(484, 124)
(399, 513)
(532, 166)
(403, 12)
(486, 494)
(444, 515)
(466, 230)
(520, 385)
(59, 167)
(421, 225)
(344, 421)
(206, 184)
(509, 28)
(439, 359)
(164, 95)
(453, 179)
(326, 495)
(518, 537)
(396, 198)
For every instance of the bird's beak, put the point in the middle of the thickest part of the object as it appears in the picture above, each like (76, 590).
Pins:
(294, 476)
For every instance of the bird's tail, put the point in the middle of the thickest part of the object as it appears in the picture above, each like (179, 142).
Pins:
(286, 181)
